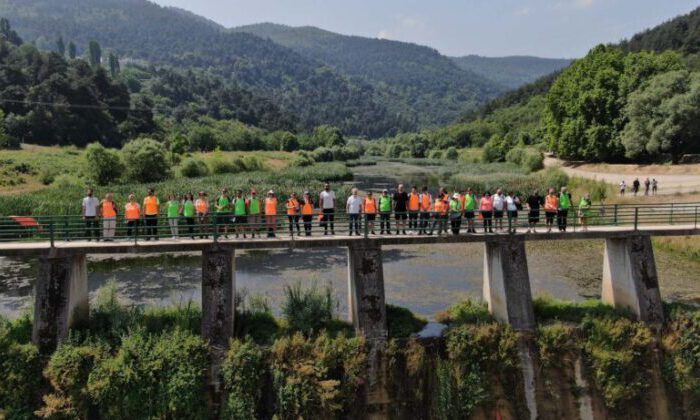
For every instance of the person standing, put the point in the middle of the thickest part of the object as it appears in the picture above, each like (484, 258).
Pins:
(293, 210)
(202, 207)
(400, 203)
(89, 207)
(271, 214)
(385, 206)
(132, 212)
(173, 209)
(369, 208)
(623, 187)
(512, 202)
(425, 202)
(635, 186)
(188, 212)
(108, 211)
(654, 186)
(534, 202)
(353, 208)
(499, 203)
(469, 207)
(254, 211)
(584, 211)
(413, 209)
(151, 209)
(327, 203)
(307, 212)
(647, 184)
(240, 214)
(440, 208)
(564, 206)
(486, 209)
(551, 207)
(455, 213)
(223, 212)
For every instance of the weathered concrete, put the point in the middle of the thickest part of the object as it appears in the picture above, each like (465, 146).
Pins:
(366, 302)
(507, 283)
(629, 278)
(218, 295)
(61, 292)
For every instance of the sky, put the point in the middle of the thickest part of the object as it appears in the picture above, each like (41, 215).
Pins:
(545, 28)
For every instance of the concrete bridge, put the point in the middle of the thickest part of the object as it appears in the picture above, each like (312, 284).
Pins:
(629, 275)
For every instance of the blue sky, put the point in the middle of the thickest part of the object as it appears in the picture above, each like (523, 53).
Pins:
(546, 28)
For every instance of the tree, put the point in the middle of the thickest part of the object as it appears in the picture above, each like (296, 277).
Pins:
(102, 165)
(8, 34)
(72, 50)
(61, 46)
(95, 54)
(145, 160)
(6, 141)
(113, 65)
(329, 136)
(664, 117)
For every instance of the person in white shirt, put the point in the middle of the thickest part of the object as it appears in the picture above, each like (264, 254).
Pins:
(512, 203)
(499, 202)
(353, 209)
(623, 187)
(89, 211)
(327, 203)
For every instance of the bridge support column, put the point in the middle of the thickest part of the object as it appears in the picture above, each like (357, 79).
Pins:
(507, 283)
(61, 299)
(629, 278)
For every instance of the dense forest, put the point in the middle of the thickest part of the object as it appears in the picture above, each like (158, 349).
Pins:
(511, 72)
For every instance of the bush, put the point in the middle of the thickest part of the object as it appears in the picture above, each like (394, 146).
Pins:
(20, 370)
(146, 160)
(402, 322)
(65, 181)
(47, 176)
(531, 160)
(451, 154)
(435, 154)
(193, 168)
(328, 136)
(102, 166)
(308, 310)
(244, 371)
(303, 159)
(467, 312)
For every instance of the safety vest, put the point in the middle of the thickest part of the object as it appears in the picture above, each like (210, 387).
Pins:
(254, 206)
(188, 209)
(151, 205)
(551, 204)
(385, 204)
(202, 206)
(425, 200)
(133, 211)
(223, 202)
(565, 201)
(455, 206)
(239, 207)
(370, 206)
(173, 209)
(109, 209)
(486, 204)
(413, 202)
(307, 209)
(271, 206)
(469, 202)
(440, 206)
(292, 206)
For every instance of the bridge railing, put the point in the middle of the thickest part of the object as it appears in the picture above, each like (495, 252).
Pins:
(222, 227)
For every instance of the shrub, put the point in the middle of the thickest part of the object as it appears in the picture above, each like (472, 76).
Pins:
(102, 166)
(146, 160)
(47, 176)
(681, 345)
(308, 310)
(20, 370)
(548, 308)
(328, 136)
(435, 154)
(193, 168)
(451, 154)
(244, 371)
(467, 312)
(402, 322)
(531, 160)
(303, 159)
(65, 181)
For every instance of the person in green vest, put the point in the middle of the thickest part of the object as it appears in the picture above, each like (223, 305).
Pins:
(254, 210)
(223, 212)
(189, 212)
(240, 213)
(173, 210)
(584, 211)
(469, 207)
(455, 213)
(564, 206)
(385, 212)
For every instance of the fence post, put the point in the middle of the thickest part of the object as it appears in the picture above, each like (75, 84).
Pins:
(51, 233)
(615, 215)
(636, 217)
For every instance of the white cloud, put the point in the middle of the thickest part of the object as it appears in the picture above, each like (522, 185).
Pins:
(383, 34)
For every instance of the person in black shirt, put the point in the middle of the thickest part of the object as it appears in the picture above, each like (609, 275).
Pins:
(533, 203)
(400, 204)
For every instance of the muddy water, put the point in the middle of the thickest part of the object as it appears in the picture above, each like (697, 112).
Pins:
(426, 279)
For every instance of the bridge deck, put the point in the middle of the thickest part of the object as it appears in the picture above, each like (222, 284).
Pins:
(125, 246)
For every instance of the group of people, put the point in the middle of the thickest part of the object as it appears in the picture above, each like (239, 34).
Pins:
(412, 211)
(651, 186)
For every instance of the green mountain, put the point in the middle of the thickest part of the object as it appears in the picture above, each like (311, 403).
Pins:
(511, 72)
(413, 80)
(681, 33)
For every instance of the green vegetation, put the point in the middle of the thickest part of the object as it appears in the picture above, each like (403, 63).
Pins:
(511, 72)
(401, 322)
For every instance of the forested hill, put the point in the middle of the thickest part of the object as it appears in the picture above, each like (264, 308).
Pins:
(138, 29)
(513, 71)
(416, 80)
(681, 33)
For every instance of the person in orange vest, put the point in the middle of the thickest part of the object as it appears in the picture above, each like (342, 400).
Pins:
(440, 209)
(132, 212)
(486, 210)
(551, 207)
(271, 214)
(413, 208)
(293, 210)
(151, 209)
(426, 201)
(202, 207)
(108, 211)
(307, 212)
(369, 208)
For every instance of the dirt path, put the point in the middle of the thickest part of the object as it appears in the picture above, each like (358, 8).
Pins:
(681, 179)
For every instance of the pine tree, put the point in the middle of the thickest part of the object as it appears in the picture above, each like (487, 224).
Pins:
(61, 46)
(8, 34)
(113, 65)
(71, 50)
(95, 54)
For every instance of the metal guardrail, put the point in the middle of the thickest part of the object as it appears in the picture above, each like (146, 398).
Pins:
(224, 226)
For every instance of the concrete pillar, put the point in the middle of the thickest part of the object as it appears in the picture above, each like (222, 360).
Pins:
(218, 295)
(366, 303)
(507, 283)
(629, 278)
(62, 300)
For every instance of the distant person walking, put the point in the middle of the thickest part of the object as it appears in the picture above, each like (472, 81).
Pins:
(584, 211)
(647, 184)
(534, 203)
(353, 208)
(369, 208)
(385, 213)
(89, 207)
(189, 212)
(654, 186)
(202, 206)
(563, 211)
(108, 210)
(132, 212)
(486, 209)
(293, 211)
(623, 187)
(400, 203)
(635, 186)
(173, 209)
(307, 212)
(327, 203)
(151, 209)
(551, 208)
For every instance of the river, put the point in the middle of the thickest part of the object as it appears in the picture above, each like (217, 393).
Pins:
(424, 278)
